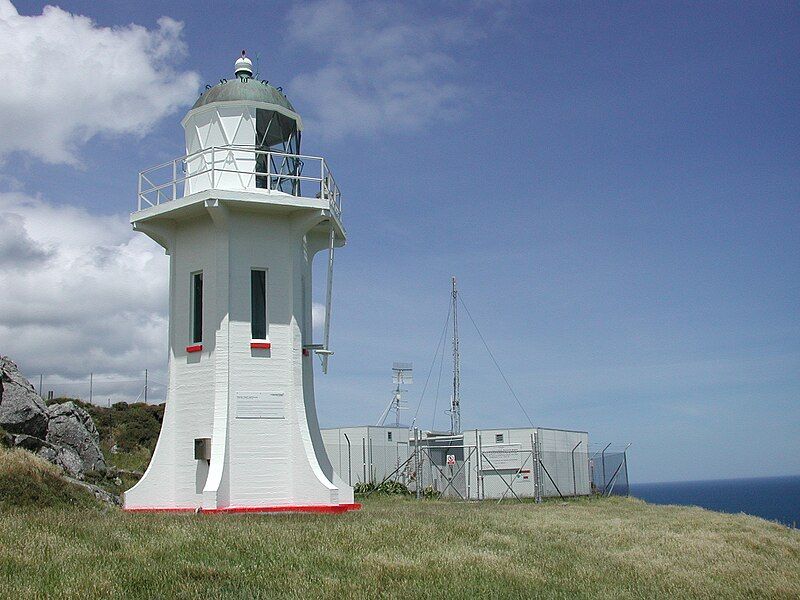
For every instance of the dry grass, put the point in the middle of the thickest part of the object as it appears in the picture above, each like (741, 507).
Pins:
(615, 548)
(29, 481)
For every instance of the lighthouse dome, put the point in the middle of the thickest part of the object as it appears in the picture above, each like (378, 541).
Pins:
(245, 90)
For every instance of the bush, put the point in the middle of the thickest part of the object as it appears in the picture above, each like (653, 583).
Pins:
(388, 488)
(431, 493)
(363, 488)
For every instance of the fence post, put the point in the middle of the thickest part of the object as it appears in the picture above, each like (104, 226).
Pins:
(603, 459)
(537, 476)
(481, 482)
(416, 464)
(625, 462)
(574, 482)
(349, 463)
(364, 458)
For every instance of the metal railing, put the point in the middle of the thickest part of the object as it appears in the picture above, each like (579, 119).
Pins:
(206, 168)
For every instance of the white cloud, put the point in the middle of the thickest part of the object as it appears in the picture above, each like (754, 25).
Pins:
(81, 293)
(65, 80)
(382, 68)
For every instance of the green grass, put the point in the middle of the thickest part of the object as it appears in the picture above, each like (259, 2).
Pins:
(395, 547)
(27, 481)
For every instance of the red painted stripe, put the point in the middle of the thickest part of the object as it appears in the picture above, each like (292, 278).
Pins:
(195, 348)
(329, 509)
(261, 345)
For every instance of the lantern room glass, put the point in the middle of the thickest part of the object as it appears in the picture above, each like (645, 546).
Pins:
(276, 132)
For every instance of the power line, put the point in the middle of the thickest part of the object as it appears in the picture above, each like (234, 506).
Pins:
(438, 382)
(433, 362)
(494, 360)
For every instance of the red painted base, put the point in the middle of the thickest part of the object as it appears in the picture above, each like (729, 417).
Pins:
(329, 509)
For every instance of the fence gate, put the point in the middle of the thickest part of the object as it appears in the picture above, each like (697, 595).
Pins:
(448, 471)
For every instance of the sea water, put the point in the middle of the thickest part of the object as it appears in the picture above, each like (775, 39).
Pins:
(772, 498)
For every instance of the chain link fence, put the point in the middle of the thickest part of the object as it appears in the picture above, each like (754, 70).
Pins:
(517, 464)
(102, 390)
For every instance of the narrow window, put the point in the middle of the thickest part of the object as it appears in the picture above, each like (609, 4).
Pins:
(389, 436)
(498, 438)
(258, 304)
(197, 307)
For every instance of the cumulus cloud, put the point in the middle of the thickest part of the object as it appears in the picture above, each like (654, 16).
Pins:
(65, 80)
(17, 249)
(381, 67)
(93, 300)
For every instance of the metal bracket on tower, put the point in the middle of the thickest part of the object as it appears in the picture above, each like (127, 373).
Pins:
(325, 352)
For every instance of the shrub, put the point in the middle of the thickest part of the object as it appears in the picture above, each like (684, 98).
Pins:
(389, 488)
(363, 488)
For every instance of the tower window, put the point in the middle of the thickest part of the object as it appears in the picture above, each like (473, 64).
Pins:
(498, 438)
(389, 436)
(258, 304)
(197, 307)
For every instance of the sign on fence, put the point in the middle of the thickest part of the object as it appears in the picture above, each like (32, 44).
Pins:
(451, 460)
(502, 456)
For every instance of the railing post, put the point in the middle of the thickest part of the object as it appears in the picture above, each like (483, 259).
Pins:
(269, 171)
(213, 166)
(322, 178)
(174, 179)
(138, 196)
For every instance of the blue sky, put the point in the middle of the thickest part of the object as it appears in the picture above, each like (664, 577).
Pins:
(616, 188)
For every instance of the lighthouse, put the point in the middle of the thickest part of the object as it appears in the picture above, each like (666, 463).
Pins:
(241, 216)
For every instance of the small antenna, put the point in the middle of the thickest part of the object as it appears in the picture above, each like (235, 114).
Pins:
(455, 401)
(402, 374)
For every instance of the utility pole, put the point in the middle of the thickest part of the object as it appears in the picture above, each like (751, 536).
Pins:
(145, 386)
(40, 384)
(455, 403)
(91, 378)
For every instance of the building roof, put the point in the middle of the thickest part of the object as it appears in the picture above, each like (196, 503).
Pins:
(246, 90)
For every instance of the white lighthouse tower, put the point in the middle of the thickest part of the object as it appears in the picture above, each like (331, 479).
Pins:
(241, 217)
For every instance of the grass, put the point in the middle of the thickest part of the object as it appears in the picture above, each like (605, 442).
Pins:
(29, 481)
(395, 547)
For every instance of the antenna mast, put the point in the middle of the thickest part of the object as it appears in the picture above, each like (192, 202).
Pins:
(401, 374)
(455, 403)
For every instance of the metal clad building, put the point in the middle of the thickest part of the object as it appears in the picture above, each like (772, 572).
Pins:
(477, 464)
(368, 453)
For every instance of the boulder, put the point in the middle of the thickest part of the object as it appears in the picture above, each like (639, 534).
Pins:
(98, 492)
(62, 456)
(21, 409)
(71, 428)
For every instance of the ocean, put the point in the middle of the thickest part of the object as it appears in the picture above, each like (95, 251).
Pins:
(772, 498)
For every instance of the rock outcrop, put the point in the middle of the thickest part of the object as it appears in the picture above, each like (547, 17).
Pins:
(63, 434)
(71, 427)
(21, 409)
